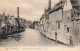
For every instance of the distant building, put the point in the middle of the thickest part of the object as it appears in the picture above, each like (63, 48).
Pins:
(45, 17)
(2, 23)
(36, 25)
(20, 21)
(2, 20)
(42, 21)
(28, 23)
(11, 23)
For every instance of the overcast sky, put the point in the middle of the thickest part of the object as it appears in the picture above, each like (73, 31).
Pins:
(29, 9)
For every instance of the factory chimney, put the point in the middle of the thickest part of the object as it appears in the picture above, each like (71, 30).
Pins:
(49, 5)
(17, 11)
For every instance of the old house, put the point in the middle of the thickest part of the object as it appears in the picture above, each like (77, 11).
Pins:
(71, 19)
(45, 17)
(63, 21)
(2, 23)
(55, 22)
(11, 23)
(42, 21)
(2, 20)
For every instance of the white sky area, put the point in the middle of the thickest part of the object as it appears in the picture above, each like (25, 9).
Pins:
(29, 9)
(67, 5)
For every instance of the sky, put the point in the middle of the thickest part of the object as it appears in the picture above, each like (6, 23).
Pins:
(29, 9)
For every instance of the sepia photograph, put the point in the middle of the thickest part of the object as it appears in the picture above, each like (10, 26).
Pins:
(39, 25)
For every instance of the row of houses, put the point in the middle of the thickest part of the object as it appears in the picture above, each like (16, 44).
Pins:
(64, 20)
(10, 24)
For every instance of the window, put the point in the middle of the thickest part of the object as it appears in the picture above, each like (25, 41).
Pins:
(67, 29)
(58, 25)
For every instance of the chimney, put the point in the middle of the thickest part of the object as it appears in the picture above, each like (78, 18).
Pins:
(49, 4)
(17, 11)
(45, 10)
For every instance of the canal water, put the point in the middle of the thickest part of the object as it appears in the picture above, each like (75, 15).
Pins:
(30, 37)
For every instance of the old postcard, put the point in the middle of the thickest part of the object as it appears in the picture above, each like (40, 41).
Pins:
(39, 25)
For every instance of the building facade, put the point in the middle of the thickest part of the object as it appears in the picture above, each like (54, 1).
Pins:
(63, 19)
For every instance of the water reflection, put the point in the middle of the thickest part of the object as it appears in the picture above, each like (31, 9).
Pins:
(30, 37)
(14, 37)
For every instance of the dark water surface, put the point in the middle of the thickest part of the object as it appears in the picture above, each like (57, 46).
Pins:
(30, 37)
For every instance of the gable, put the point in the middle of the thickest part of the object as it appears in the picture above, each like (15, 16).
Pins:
(57, 7)
(67, 5)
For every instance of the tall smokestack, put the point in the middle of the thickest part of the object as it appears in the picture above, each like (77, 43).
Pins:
(17, 11)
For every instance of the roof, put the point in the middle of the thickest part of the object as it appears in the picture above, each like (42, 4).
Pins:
(75, 2)
(2, 17)
(77, 11)
(76, 5)
(42, 17)
(8, 23)
(57, 6)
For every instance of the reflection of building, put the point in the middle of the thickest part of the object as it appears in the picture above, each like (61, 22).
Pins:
(64, 19)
